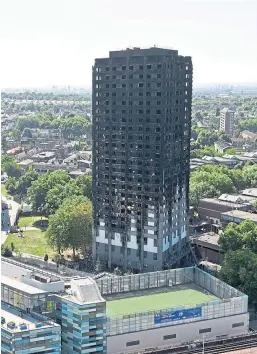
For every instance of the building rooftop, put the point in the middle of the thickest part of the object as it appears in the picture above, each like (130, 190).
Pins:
(11, 270)
(240, 215)
(252, 192)
(250, 134)
(236, 198)
(142, 51)
(13, 283)
(154, 299)
(47, 154)
(14, 150)
(25, 162)
(252, 154)
(209, 237)
(22, 321)
(238, 157)
(227, 110)
(83, 291)
(76, 173)
(228, 203)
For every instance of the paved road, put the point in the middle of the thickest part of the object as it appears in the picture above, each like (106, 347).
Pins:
(5, 225)
(30, 228)
(8, 217)
(13, 211)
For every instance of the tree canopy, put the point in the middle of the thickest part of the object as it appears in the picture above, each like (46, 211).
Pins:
(50, 189)
(211, 181)
(21, 184)
(71, 127)
(10, 166)
(37, 193)
(249, 124)
(71, 226)
(239, 270)
(238, 236)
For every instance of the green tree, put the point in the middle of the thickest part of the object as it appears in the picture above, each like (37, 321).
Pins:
(249, 231)
(56, 195)
(11, 185)
(26, 181)
(231, 151)
(38, 191)
(209, 181)
(4, 143)
(248, 124)
(10, 166)
(239, 270)
(231, 239)
(250, 175)
(225, 137)
(27, 132)
(71, 226)
(85, 183)
(238, 236)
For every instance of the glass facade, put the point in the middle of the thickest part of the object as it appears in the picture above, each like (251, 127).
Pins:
(22, 333)
(83, 326)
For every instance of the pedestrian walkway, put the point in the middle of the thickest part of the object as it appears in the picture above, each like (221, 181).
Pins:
(30, 228)
(4, 236)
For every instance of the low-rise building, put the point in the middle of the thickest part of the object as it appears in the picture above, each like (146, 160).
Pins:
(210, 209)
(251, 192)
(43, 156)
(242, 159)
(227, 160)
(72, 169)
(14, 151)
(28, 333)
(221, 161)
(237, 216)
(84, 164)
(207, 247)
(221, 146)
(248, 135)
(238, 199)
(137, 312)
(25, 164)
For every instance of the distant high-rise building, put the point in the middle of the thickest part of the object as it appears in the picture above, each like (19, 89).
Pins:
(227, 121)
(141, 110)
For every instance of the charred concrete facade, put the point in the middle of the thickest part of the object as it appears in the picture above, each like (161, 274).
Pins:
(141, 148)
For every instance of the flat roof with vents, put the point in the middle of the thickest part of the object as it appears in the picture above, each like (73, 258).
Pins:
(21, 320)
(15, 284)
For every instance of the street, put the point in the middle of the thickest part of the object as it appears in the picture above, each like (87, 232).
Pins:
(8, 217)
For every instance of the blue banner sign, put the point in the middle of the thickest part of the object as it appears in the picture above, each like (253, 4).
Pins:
(177, 315)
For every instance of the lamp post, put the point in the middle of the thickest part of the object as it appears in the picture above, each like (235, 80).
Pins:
(203, 344)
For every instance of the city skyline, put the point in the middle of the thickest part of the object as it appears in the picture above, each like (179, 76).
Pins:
(55, 43)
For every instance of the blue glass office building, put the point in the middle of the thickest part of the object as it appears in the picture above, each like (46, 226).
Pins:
(82, 314)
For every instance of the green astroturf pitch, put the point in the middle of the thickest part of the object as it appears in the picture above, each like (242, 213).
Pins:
(156, 299)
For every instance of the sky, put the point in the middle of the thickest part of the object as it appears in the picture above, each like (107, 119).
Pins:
(55, 42)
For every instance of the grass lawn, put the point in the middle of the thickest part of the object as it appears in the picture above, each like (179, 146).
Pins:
(168, 298)
(34, 243)
(30, 221)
